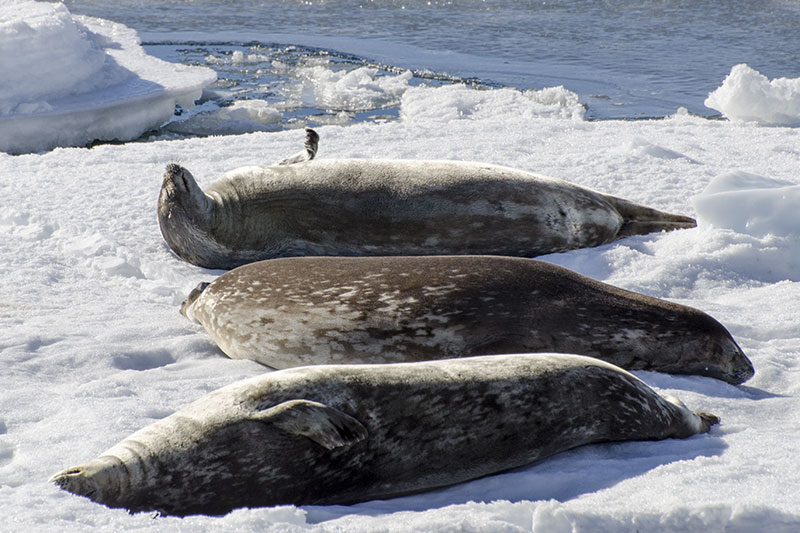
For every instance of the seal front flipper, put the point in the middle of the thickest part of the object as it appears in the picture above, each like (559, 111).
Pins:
(328, 427)
(309, 149)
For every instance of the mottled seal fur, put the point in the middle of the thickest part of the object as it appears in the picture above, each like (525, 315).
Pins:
(342, 434)
(319, 310)
(357, 207)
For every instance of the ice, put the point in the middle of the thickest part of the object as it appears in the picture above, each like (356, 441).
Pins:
(751, 204)
(242, 116)
(361, 89)
(70, 80)
(748, 95)
(442, 104)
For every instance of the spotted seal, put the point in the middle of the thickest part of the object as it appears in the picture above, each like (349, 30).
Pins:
(356, 207)
(341, 434)
(317, 310)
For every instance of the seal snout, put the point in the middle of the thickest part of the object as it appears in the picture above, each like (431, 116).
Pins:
(173, 168)
(744, 369)
(178, 177)
(741, 369)
(99, 480)
(186, 306)
(77, 481)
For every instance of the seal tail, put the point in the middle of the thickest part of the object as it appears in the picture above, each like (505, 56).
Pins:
(640, 220)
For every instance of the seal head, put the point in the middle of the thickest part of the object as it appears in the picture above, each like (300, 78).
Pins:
(184, 211)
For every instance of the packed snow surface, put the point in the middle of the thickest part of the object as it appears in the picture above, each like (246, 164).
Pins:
(70, 80)
(748, 95)
(94, 348)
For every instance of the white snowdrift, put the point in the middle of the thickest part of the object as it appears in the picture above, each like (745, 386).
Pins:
(748, 95)
(68, 81)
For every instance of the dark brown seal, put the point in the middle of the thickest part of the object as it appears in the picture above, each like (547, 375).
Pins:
(319, 310)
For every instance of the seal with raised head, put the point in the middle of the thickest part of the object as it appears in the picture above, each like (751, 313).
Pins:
(342, 434)
(319, 310)
(357, 207)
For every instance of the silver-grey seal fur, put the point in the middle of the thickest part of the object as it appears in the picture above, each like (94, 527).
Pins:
(319, 310)
(342, 434)
(357, 207)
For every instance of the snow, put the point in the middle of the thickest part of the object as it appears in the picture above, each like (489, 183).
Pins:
(748, 95)
(92, 346)
(70, 80)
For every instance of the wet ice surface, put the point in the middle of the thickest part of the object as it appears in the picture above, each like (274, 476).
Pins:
(624, 58)
(268, 87)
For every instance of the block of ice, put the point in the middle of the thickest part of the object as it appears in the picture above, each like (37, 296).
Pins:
(749, 96)
(70, 80)
(751, 204)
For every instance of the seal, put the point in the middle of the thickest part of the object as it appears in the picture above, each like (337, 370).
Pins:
(319, 310)
(342, 434)
(357, 207)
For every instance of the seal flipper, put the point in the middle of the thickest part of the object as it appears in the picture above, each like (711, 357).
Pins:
(638, 219)
(328, 427)
(707, 420)
(309, 149)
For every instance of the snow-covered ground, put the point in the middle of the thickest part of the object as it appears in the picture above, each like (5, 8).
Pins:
(70, 80)
(92, 346)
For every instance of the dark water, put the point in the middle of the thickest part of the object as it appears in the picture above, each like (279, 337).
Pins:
(626, 59)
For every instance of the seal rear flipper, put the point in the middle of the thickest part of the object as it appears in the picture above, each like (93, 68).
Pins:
(638, 219)
(309, 149)
(707, 420)
(328, 427)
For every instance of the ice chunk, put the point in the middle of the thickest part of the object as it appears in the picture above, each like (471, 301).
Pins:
(243, 116)
(459, 101)
(749, 96)
(69, 80)
(751, 204)
(361, 89)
